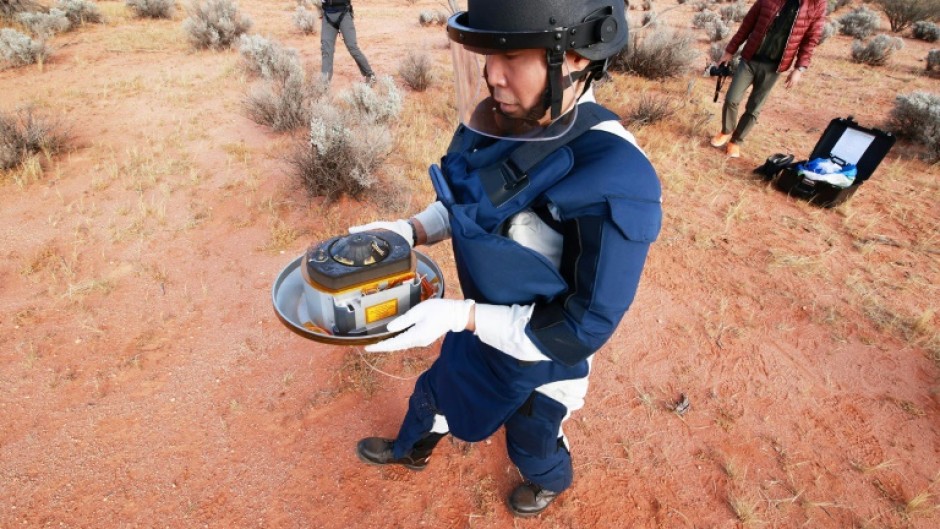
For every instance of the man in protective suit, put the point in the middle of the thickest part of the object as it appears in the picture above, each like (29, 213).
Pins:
(338, 18)
(551, 208)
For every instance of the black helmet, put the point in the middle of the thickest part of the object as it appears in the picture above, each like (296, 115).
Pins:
(594, 29)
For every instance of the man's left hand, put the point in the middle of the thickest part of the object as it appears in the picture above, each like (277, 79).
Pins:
(429, 320)
(794, 78)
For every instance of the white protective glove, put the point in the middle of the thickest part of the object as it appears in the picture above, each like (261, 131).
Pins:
(401, 227)
(429, 320)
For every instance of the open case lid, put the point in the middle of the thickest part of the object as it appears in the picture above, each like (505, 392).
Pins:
(863, 147)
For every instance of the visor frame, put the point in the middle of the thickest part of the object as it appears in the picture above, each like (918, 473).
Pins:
(562, 38)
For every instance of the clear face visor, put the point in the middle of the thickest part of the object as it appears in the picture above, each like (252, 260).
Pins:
(506, 94)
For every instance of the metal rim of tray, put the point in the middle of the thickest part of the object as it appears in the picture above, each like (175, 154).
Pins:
(287, 295)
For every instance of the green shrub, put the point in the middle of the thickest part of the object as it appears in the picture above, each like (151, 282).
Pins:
(926, 31)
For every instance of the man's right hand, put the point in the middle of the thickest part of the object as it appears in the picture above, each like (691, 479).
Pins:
(725, 57)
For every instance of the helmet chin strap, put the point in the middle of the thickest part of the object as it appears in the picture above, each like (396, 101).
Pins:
(558, 83)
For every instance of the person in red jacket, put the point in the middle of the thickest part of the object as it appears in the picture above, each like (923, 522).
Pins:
(776, 35)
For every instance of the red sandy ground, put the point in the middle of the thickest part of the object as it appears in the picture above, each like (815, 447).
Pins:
(145, 381)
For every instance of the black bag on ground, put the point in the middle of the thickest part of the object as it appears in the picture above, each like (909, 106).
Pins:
(843, 140)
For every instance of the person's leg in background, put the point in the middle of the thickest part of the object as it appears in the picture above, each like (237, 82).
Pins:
(743, 78)
(348, 28)
(327, 44)
(765, 77)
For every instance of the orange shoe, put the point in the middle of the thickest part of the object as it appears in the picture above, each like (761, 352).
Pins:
(733, 150)
(720, 139)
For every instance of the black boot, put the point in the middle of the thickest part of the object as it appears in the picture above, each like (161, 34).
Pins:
(378, 451)
(530, 499)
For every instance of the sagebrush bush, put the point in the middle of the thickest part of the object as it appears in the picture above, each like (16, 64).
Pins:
(877, 51)
(926, 30)
(24, 134)
(716, 50)
(80, 12)
(902, 13)
(282, 104)
(917, 116)
(10, 8)
(860, 23)
(267, 58)
(215, 24)
(415, 70)
(432, 18)
(341, 154)
(703, 19)
(17, 49)
(733, 13)
(933, 60)
(307, 21)
(835, 5)
(379, 103)
(152, 8)
(657, 55)
(829, 29)
(651, 109)
(717, 31)
(44, 25)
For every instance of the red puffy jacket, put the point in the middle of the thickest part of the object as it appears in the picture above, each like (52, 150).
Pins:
(804, 36)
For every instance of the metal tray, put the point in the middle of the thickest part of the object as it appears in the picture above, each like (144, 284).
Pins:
(287, 296)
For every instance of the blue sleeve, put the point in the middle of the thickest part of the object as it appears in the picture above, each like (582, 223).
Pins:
(602, 261)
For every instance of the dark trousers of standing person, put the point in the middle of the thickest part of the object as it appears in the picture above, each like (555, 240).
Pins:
(763, 76)
(343, 24)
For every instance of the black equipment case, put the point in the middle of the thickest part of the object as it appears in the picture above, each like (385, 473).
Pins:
(846, 140)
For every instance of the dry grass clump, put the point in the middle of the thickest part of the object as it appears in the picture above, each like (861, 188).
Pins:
(415, 70)
(44, 25)
(877, 51)
(215, 24)
(902, 13)
(23, 135)
(284, 104)
(305, 20)
(860, 23)
(657, 55)
(651, 109)
(152, 8)
(80, 12)
(348, 141)
(917, 116)
(926, 31)
(17, 49)
(704, 18)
